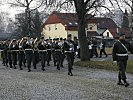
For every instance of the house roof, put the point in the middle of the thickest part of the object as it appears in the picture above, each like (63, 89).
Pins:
(69, 20)
(123, 30)
(92, 33)
(105, 23)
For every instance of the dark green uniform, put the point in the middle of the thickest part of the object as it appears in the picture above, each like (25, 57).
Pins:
(14, 51)
(42, 53)
(28, 53)
(69, 52)
(120, 54)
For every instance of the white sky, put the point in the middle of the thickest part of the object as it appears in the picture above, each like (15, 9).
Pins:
(12, 11)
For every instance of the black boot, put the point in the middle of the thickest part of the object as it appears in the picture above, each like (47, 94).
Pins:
(48, 64)
(29, 70)
(14, 67)
(120, 83)
(58, 67)
(70, 73)
(55, 64)
(125, 83)
(34, 67)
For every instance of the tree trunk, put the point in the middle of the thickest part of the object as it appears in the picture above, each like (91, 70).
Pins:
(81, 13)
(84, 50)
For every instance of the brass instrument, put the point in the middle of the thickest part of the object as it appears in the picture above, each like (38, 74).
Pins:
(21, 43)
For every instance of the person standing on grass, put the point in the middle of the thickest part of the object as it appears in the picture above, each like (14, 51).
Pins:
(120, 55)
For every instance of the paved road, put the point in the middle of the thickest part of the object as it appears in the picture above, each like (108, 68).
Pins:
(86, 84)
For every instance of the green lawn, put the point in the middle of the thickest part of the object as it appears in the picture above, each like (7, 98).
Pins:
(107, 65)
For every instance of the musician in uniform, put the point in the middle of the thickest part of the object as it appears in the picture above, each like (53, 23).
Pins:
(2, 53)
(9, 54)
(42, 52)
(35, 53)
(58, 53)
(49, 51)
(21, 54)
(69, 52)
(14, 50)
(28, 46)
(61, 43)
(53, 51)
(120, 55)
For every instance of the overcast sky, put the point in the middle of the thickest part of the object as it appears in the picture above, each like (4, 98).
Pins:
(12, 11)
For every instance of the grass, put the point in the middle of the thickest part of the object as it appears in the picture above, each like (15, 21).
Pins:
(107, 65)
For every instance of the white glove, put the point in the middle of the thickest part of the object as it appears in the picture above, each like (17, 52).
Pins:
(70, 49)
(20, 46)
(114, 62)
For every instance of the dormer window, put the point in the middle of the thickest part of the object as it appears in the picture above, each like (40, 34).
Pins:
(55, 27)
(76, 23)
(70, 23)
(49, 28)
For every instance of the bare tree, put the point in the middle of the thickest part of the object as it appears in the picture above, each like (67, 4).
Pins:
(29, 6)
(126, 4)
(83, 8)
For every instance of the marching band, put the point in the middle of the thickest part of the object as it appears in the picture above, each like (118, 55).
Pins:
(27, 51)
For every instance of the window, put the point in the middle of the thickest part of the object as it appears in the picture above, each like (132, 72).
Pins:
(76, 23)
(107, 34)
(70, 23)
(55, 27)
(49, 28)
(90, 28)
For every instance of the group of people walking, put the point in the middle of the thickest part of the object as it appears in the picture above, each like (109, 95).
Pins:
(93, 45)
(27, 51)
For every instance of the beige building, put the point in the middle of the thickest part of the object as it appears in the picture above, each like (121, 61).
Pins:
(60, 24)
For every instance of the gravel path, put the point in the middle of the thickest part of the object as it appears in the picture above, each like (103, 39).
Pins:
(86, 84)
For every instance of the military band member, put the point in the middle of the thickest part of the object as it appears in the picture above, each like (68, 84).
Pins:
(58, 53)
(14, 50)
(2, 53)
(53, 51)
(21, 54)
(35, 53)
(28, 46)
(9, 54)
(42, 52)
(69, 52)
(49, 51)
(120, 54)
(61, 43)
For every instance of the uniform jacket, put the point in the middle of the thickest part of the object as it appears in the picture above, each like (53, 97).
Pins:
(118, 48)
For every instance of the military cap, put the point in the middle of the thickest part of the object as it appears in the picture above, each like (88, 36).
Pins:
(14, 40)
(46, 39)
(69, 35)
(64, 39)
(57, 38)
(61, 38)
(28, 35)
(42, 37)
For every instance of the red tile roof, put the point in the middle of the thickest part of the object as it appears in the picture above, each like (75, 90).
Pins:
(127, 32)
(67, 19)
(92, 33)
